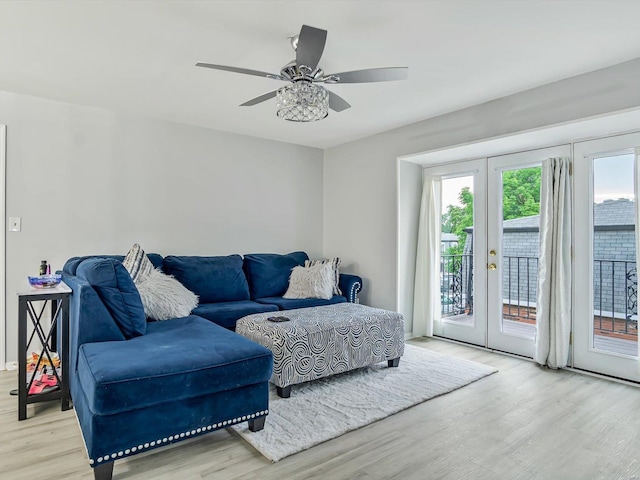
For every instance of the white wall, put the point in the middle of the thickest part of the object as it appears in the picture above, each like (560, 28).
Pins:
(87, 180)
(360, 211)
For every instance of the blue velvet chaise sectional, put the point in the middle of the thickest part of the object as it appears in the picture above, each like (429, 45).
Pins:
(138, 385)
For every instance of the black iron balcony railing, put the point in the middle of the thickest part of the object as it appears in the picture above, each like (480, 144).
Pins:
(615, 290)
(615, 295)
(456, 284)
(519, 287)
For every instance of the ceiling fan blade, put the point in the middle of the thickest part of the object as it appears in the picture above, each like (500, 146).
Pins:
(260, 99)
(337, 103)
(387, 74)
(246, 71)
(310, 46)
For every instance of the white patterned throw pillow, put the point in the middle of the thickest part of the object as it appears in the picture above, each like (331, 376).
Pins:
(137, 263)
(163, 297)
(311, 282)
(335, 264)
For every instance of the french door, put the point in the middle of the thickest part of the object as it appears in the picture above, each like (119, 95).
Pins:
(463, 251)
(606, 278)
(513, 223)
(489, 280)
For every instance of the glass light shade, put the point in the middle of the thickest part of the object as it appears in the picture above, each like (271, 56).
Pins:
(302, 102)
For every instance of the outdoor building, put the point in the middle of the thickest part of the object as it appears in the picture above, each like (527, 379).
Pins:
(448, 240)
(614, 269)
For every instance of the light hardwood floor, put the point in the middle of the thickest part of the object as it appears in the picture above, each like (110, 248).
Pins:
(523, 422)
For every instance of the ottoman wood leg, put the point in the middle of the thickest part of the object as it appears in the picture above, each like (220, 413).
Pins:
(103, 472)
(394, 363)
(257, 424)
(284, 392)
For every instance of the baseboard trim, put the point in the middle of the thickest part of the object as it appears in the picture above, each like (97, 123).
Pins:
(603, 377)
(480, 347)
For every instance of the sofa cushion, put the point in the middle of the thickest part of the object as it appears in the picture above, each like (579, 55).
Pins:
(227, 313)
(213, 279)
(268, 273)
(71, 265)
(116, 289)
(176, 360)
(291, 303)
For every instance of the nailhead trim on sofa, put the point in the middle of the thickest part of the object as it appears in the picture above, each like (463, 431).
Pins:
(353, 294)
(176, 438)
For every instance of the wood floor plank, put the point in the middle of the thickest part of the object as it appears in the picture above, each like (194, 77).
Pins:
(522, 423)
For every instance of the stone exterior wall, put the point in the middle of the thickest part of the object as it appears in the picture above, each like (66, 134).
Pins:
(615, 245)
(614, 272)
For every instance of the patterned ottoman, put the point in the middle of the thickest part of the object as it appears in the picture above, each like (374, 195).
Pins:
(321, 341)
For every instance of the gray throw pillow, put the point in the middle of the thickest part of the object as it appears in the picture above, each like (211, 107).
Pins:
(163, 297)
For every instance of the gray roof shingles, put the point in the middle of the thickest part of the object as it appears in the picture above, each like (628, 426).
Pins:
(609, 212)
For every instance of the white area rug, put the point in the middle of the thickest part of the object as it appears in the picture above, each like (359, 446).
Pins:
(326, 408)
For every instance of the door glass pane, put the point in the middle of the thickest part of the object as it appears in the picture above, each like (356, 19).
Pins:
(615, 279)
(520, 247)
(456, 264)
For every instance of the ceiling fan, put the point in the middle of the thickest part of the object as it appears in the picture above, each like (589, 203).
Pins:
(304, 100)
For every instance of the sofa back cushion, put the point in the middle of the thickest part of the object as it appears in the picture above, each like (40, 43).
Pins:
(116, 289)
(268, 273)
(71, 265)
(213, 279)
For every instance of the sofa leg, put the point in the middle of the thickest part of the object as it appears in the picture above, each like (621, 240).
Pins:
(103, 471)
(284, 392)
(257, 424)
(394, 362)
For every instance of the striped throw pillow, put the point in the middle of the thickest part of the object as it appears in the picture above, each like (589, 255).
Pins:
(335, 264)
(137, 263)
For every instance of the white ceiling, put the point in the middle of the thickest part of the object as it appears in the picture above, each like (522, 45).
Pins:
(139, 56)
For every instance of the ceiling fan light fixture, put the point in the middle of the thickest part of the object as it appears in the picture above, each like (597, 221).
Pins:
(302, 102)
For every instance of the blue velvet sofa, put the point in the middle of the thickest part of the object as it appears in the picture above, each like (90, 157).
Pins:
(231, 287)
(138, 385)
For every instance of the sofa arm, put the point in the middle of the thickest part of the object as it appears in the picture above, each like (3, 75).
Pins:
(350, 285)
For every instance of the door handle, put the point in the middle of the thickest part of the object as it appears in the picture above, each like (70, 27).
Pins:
(492, 266)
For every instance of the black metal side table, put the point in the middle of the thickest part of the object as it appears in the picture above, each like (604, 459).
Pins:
(58, 298)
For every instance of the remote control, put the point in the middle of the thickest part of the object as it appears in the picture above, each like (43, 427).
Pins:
(278, 319)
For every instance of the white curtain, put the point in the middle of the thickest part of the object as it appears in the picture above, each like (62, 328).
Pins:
(554, 266)
(426, 298)
(636, 188)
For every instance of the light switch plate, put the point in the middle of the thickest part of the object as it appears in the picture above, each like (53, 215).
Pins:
(15, 224)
